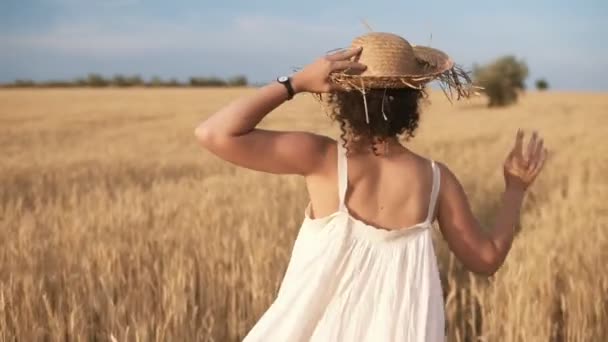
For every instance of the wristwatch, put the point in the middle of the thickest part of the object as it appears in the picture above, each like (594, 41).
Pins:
(286, 81)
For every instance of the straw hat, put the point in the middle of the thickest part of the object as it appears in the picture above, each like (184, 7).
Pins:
(392, 62)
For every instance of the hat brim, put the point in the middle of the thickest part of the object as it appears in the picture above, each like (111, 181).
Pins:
(432, 64)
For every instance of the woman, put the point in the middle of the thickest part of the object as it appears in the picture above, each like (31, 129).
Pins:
(363, 266)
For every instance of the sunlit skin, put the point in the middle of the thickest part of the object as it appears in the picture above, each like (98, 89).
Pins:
(391, 190)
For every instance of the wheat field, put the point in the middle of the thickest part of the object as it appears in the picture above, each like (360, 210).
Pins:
(116, 226)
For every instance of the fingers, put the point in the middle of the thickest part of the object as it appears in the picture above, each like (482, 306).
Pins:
(345, 54)
(537, 155)
(343, 65)
(538, 149)
(519, 141)
(526, 168)
(531, 147)
(540, 162)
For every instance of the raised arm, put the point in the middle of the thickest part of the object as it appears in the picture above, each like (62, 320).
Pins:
(231, 133)
(485, 251)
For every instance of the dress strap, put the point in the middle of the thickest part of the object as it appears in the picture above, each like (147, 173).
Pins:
(434, 191)
(342, 176)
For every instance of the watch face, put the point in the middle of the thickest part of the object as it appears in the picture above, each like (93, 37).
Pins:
(283, 79)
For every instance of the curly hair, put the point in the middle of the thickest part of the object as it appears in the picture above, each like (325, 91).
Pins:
(392, 113)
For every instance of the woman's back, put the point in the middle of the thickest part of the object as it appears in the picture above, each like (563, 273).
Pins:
(348, 280)
(390, 190)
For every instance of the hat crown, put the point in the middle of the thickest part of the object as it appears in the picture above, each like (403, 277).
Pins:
(386, 54)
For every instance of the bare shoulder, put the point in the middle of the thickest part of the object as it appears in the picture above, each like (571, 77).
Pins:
(450, 185)
(323, 142)
(453, 205)
(317, 148)
(318, 144)
(446, 174)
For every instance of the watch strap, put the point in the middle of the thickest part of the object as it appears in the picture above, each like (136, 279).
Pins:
(286, 81)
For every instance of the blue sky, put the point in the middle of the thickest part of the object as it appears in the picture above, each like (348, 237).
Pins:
(563, 41)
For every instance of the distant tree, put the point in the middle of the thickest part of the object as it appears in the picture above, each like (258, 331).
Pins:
(502, 79)
(56, 84)
(80, 82)
(96, 80)
(134, 81)
(237, 81)
(207, 82)
(542, 84)
(127, 81)
(173, 83)
(119, 81)
(24, 83)
(155, 81)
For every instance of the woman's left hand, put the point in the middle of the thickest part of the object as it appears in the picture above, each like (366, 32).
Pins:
(314, 78)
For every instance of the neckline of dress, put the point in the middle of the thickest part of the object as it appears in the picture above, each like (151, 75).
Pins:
(375, 229)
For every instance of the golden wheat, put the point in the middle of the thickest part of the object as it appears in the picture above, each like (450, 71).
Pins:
(115, 225)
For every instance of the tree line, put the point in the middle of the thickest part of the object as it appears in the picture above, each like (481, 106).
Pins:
(97, 80)
(502, 80)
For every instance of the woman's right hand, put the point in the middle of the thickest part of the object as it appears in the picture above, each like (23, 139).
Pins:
(521, 169)
(314, 77)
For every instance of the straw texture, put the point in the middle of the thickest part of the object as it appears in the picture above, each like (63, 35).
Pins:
(392, 62)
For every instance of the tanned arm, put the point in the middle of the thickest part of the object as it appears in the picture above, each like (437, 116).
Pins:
(485, 251)
(231, 133)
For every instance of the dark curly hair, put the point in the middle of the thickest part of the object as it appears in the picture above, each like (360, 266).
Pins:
(397, 118)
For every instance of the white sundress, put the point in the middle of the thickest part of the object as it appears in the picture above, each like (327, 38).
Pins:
(350, 281)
